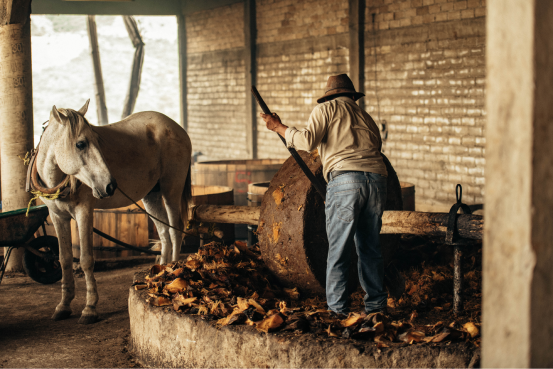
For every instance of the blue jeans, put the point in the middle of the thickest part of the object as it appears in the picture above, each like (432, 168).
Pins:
(354, 205)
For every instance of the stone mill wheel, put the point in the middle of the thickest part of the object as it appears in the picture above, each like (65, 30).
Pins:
(292, 231)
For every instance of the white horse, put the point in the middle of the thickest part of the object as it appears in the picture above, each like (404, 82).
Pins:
(147, 155)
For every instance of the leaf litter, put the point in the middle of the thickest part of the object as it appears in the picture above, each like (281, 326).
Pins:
(230, 285)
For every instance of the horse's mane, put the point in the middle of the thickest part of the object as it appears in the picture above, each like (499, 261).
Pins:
(77, 123)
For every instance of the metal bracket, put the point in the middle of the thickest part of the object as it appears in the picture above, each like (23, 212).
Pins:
(452, 238)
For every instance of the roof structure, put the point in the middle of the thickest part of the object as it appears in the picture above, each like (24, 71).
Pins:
(125, 7)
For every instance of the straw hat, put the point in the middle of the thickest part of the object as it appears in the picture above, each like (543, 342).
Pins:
(340, 85)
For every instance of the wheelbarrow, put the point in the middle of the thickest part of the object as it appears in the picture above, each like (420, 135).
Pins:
(41, 257)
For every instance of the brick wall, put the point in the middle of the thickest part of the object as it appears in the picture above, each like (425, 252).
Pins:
(291, 76)
(216, 84)
(217, 29)
(430, 87)
(300, 43)
(390, 14)
(285, 20)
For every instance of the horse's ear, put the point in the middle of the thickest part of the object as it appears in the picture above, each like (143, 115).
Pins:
(84, 109)
(55, 115)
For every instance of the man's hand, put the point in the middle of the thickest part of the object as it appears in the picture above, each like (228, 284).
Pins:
(274, 124)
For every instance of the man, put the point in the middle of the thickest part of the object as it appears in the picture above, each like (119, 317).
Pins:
(349, 145)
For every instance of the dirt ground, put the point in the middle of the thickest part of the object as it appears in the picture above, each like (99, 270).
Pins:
(28, 338)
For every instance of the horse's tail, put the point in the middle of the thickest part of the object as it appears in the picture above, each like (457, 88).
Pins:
(186, 197)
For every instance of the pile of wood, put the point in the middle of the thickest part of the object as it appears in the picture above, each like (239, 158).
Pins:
(230, 285)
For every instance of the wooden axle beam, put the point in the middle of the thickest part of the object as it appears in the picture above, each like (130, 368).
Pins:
(393, 222)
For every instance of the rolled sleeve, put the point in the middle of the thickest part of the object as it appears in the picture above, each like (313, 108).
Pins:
(309, 137)
(289, 136)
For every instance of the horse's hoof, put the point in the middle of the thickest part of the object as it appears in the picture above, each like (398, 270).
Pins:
(61, 315)
(88, 319)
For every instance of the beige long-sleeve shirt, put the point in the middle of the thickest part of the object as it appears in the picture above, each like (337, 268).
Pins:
(345, 135)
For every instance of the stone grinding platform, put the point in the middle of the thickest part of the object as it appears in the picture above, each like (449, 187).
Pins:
(161, 337)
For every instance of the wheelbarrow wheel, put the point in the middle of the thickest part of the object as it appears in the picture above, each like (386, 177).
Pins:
(46, 269)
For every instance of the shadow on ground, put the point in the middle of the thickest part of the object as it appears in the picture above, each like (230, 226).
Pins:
(30, 339)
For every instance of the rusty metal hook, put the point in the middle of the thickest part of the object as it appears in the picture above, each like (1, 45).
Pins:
(459, 193)
(452, 240)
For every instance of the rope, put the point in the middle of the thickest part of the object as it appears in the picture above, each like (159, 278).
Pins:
(210, 235)
(125, 245)
(26, 159)
(37, 194)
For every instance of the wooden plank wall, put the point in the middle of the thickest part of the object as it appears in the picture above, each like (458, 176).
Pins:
(126, 224)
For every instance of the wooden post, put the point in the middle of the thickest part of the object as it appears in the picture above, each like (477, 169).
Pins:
(16, 107)
(517, 303)
(183, 68)
(250, 32)
(357, 45)
(101, 107)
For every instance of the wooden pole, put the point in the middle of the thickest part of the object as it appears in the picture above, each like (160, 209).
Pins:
(357, 45)
(16, 107)
(517, 300)
(393, 222)
(227, 214)
(430, 224)
(250, 32)
(101, 107)
(183, 68)
(138, 60)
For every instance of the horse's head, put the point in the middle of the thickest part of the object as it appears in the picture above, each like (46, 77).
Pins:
(77, 152)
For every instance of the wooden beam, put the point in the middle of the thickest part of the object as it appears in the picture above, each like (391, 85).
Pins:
(233, 214)
(250, 32)
(183, 68)
(135, 7)
(192, 6)
(393, 222)
(356, 45)
(101, 107)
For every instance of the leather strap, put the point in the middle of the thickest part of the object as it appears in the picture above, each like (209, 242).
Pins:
(37, 186)
(28, 186)
(33, 182)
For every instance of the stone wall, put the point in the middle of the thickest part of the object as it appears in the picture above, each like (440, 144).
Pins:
(429, 85)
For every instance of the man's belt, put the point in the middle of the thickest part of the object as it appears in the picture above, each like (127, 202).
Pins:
(336, 173)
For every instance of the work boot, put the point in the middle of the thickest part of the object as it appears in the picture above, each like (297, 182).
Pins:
(340, 316)
(383, 311)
